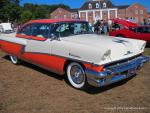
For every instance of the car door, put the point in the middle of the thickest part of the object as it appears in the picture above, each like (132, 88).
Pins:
(38, 48)
(37, 42)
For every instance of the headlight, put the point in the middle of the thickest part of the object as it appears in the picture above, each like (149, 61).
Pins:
(106, 55)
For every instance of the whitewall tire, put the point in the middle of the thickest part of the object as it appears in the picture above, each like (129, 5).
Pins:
(76, 75)
(14, 59)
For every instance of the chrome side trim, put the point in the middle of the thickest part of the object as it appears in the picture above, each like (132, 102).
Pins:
(116, 72)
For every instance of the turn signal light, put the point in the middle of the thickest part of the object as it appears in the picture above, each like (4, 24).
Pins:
(94, 67)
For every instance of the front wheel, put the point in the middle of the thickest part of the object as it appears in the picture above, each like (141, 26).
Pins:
(76, 75)
(14, 59)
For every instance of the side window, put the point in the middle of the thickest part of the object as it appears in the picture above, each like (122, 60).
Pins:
(62, 29)
(25, 30)
(41, 30)
(148, 29)
(144, 30)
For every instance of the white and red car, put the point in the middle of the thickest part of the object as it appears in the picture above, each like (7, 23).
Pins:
(68, 46)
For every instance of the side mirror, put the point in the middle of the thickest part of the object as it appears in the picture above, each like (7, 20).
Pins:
(54, 37)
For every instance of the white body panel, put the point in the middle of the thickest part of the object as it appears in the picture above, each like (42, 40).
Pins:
(12, 38)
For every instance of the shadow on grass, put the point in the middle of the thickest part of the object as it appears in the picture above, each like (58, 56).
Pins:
(96, 90)
(89, 90)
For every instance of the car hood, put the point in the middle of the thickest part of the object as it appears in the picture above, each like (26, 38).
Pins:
(125, 22)
(118, 48)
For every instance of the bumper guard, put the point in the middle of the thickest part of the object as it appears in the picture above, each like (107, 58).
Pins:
(116, 72)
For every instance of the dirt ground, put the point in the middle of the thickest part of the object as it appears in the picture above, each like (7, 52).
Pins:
(30, 89)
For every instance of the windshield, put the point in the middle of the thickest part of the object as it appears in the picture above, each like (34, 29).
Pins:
(70, 28)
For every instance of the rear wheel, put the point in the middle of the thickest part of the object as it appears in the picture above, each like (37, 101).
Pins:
(14, 59)
(76, 75)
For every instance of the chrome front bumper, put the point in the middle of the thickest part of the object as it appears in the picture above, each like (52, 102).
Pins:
(116, 72)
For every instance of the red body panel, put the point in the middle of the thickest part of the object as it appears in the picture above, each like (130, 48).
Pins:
(124, 33)
(11, 48)
(54, 63)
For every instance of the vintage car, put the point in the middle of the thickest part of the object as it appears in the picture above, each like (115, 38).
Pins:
(68, 47)
(128, 29)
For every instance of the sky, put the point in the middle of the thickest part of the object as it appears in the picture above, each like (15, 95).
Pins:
(79, 3)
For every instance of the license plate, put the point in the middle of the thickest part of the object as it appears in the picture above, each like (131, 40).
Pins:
(131, 71)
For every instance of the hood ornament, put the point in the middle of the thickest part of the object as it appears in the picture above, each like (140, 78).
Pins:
(119, 41)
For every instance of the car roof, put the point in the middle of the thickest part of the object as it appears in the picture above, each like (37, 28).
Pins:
(55, 20)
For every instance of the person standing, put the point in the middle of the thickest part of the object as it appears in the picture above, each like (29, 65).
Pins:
(109, 25)
(97, 26)
(105, 27)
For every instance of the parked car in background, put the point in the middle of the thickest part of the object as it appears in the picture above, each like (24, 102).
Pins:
(69, 47)
(6, 28)
(123, 28)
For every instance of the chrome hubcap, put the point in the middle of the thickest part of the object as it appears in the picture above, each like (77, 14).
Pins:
(14, 58)
(77, 74)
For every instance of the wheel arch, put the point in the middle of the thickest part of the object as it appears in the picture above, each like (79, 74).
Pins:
(70, 61)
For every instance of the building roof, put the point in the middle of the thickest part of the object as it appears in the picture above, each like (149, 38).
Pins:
(85, 6)
(69, 10)
(73, 10)
(122, 6)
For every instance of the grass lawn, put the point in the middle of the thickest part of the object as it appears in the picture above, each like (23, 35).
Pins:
(147, 51)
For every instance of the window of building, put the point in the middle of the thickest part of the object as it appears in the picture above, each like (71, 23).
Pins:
(105, 12)
(90, 14)
(104, 5)
(97, 5)
(136, 19)
(83, 14)
(65, 16)
(136, 11)
(90, 6)
(141, 11)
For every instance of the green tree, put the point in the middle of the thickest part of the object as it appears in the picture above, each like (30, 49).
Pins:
(25, 16)
(12, 11)
(9, 11)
